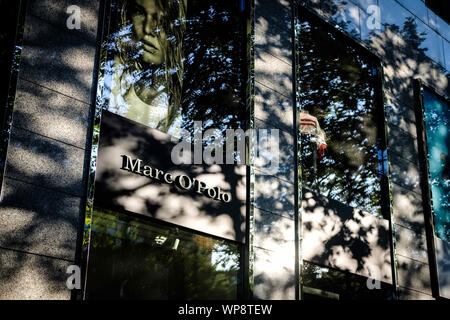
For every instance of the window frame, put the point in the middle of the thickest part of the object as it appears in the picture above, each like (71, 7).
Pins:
(386, 200)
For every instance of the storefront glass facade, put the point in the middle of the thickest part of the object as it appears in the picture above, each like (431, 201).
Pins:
(134, 258)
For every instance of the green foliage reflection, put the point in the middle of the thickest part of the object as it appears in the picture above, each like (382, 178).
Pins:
(337, 94)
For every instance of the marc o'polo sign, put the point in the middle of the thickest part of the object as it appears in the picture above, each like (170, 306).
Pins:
(184, 182)
(135, 173)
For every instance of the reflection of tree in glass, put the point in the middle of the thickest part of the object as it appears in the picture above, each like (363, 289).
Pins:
(145, 61)
(337, 87)
(437, 115)
(131, 259)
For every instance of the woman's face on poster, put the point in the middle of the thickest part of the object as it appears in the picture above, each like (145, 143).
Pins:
(146, 17)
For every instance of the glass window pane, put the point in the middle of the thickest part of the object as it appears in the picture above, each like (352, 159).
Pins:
(340, 120)
(170, 63)
(437, 116)
(319, 283)
(441, 8)
(11, 33)
(8, 26)
(136, 259)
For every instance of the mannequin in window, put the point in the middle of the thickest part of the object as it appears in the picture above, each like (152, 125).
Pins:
(147, 69)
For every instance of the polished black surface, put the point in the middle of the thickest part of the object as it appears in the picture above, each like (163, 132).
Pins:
(137, 259)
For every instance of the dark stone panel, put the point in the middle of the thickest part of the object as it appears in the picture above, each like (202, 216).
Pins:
(447, 54)
(51, 114)
(59, 60)
(433, 43)
(273, 73)
(55, 12)
(400, 114)
(399, 87)
(273, 66)
(403, 144)
(273, 232)
(417, 7)
(443, 265)
(438, 24)
(274, 40)
(407, 294)
(274, 108)
(32, 277)
(43, 161)
(277, 13)
(39, 220)
(344, 14)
